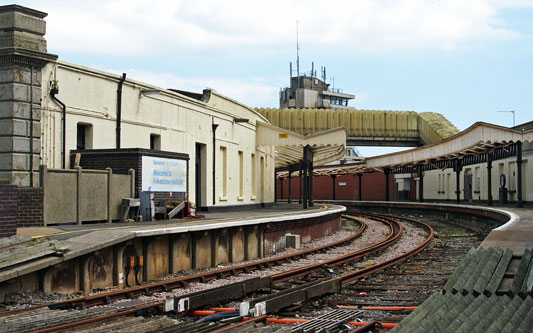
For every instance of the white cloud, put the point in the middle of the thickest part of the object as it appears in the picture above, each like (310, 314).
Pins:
(122, 27)
(254, 91)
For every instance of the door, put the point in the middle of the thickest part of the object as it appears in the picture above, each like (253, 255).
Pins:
(262, 180)
(198, 176)
(468, 186)
(448, 187)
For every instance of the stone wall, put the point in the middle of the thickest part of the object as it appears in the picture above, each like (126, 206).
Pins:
(22, 55)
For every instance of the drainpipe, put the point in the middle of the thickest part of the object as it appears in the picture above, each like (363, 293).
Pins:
(53, 92)
(119, 107)
(31, 126)
(214, 127)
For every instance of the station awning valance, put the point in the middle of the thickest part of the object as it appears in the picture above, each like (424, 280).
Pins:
(327, 146)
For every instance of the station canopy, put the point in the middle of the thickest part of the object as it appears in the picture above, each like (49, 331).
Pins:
(470, 146)
(327, 146)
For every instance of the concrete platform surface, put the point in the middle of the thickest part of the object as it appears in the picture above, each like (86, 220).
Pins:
(517, 234)
(87, 238)
(275, 213)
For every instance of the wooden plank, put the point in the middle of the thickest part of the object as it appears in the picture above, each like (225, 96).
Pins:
(176, 210)
(32, 252)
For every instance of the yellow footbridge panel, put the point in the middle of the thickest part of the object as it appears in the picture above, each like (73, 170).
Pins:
(366, 127)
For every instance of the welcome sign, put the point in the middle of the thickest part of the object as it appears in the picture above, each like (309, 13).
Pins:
(163, 174)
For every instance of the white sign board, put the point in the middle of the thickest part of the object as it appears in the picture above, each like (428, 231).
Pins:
(342, 183)
(163, 174)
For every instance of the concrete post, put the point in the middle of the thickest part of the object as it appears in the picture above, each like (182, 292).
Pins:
(22, 56)
(78, 195)
(42, 180)
(131, 172)
(109, 175)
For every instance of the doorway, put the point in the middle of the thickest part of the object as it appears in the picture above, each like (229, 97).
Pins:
(468, 185)
(262, 181)
(199, 179)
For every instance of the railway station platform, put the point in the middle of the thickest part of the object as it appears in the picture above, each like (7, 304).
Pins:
(70, 258)
(516, 234)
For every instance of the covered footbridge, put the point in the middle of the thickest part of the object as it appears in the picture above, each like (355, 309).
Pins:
(367, 127)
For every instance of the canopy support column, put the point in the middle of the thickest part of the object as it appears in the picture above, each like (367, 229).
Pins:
(300, 171)
(290, 185)
(520, 203)
(420, 184)
(489, 179)
(457, 168)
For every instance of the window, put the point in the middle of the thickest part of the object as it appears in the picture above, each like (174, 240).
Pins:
(253, 175)
(155, 141)
(84, 136)
(224, 157)
(241, 175)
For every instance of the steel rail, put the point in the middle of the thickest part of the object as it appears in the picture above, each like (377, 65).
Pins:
(182, 282)
(393, 236)
(274, 302)
(395, 232)
(73, 324)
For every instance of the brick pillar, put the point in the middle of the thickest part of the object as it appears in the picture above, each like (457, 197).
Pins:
(22, 55)
(8, 209)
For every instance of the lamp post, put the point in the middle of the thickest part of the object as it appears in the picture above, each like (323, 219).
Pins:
(511, 111)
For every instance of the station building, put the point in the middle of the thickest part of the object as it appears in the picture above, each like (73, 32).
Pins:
(202, 147)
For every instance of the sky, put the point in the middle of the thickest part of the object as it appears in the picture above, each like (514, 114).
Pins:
(464, 59)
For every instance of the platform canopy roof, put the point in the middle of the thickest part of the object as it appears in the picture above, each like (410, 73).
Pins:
(476, 141)
(327, 146)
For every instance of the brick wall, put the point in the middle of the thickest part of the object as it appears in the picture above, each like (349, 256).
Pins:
(8, 210)
(121, 160)
(373, 187)
(30, 207)
(308, 229)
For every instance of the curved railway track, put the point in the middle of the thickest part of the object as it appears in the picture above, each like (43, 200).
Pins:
(93, 312)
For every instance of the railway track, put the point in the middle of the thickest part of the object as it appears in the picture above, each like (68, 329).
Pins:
(390, 295)
(104, 307)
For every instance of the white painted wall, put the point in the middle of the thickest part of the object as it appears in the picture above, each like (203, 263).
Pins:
(507, 166)
(91, 98)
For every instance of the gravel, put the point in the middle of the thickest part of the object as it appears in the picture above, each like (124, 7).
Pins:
(375, 231)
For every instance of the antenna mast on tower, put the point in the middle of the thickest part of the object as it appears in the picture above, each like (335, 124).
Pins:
(297, 55)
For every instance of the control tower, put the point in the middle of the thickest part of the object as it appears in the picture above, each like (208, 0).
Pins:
(308, 91)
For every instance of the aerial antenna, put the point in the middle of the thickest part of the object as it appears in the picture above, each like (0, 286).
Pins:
(297, 55)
